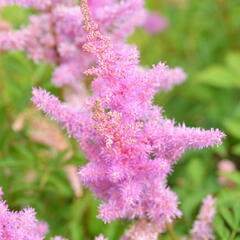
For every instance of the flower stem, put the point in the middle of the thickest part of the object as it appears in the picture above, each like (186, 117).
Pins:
(232, 236)
(171, 232)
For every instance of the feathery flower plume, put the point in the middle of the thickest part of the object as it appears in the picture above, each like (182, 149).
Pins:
(21, 225)
(202, 228)
(130, 145)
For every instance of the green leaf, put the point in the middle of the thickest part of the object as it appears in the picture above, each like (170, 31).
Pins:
(236, 213)
(220, 228)
(232, 125)
(236, 149)
(233, 176)
(228, 217)
(76, 230)
(217, 76)
(233, 61)
(195, 172)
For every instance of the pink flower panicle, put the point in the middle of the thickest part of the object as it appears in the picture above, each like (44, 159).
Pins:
(21, 225)
(131, 147)
(202, 228)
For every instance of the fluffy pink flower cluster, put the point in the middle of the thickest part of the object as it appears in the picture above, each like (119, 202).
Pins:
(202, 228)
(56, 35)
(131, 146)
(21, 225)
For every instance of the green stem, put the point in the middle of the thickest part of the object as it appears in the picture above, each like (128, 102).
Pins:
(171, 232)
(233, 234)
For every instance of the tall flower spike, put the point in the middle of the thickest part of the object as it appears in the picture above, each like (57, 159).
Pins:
(202, 228)
(130, 145)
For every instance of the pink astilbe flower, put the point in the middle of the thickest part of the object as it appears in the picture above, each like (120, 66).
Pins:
(21, 225)
(202, 228)
(143, 230)
(130, 145)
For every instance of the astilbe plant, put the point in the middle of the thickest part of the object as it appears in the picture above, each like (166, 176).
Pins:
(55, 35)
(130, 145)
(46, 38)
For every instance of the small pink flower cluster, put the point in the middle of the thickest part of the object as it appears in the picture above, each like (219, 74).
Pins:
(202, 228)
(21, 225)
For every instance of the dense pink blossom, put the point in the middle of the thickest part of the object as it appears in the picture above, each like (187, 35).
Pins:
(130, 145)
(202, 228)
(21, 225)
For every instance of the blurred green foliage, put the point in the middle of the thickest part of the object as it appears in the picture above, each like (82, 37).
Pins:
(204, 39)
